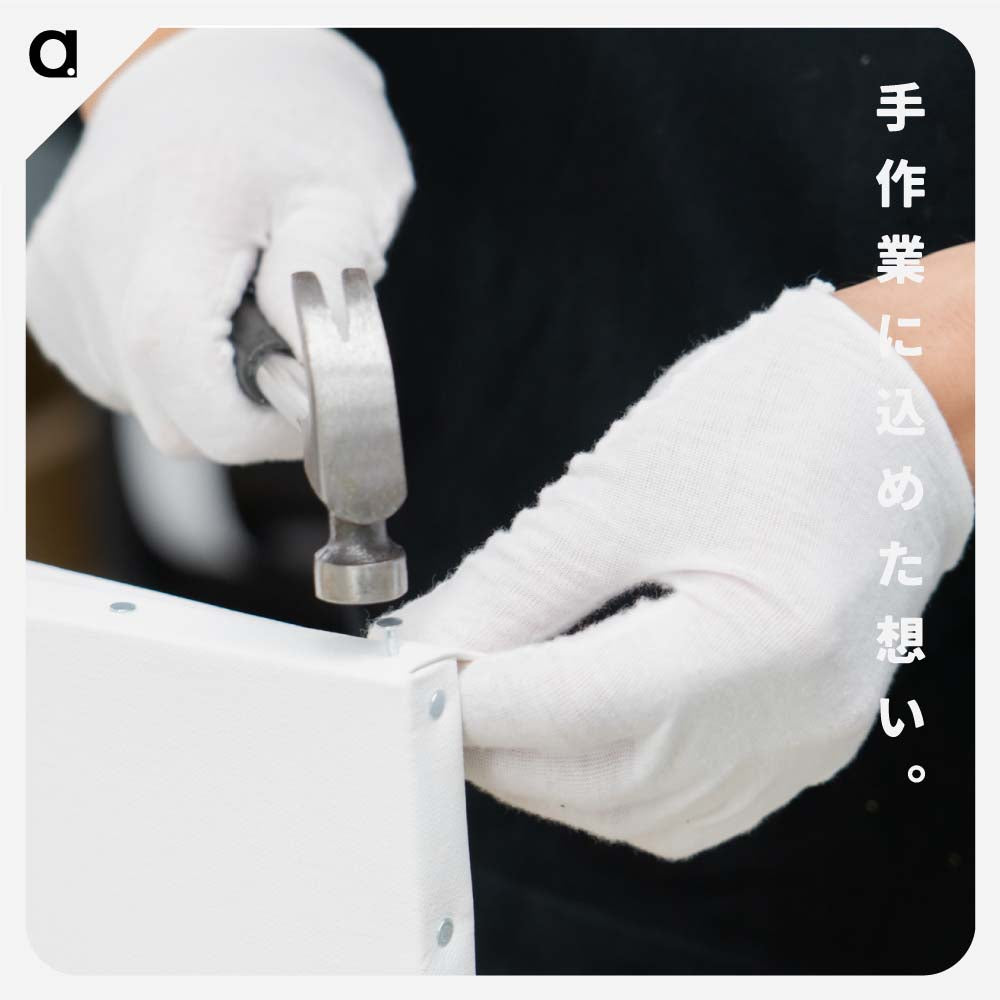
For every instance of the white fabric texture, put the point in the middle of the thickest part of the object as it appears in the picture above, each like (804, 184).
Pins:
(206, 150)
(746, 481)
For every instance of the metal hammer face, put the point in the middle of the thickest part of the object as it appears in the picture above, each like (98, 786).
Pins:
(353, 445)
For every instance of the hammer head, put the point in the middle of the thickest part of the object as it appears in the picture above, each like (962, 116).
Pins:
(360, 564)
(354, 449)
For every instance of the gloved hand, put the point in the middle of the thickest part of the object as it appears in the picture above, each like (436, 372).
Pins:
(747, 483)
(206, 150)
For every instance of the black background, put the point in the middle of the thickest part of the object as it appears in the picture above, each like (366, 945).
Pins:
(590, 204)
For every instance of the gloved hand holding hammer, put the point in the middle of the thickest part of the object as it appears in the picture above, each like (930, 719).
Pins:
(206, 152)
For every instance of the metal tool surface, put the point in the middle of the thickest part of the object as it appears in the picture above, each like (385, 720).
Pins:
(344, 402)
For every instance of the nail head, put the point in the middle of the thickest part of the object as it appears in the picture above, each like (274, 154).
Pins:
(437, 704)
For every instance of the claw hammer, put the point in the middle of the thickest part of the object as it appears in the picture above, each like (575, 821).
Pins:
(344, 402)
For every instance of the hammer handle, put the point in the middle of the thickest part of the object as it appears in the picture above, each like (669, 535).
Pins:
(266, 369)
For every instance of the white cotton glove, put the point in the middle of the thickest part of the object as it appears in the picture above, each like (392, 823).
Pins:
(209, 148)
(746, 481)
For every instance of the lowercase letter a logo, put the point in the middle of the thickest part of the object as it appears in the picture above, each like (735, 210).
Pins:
(66, 40)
